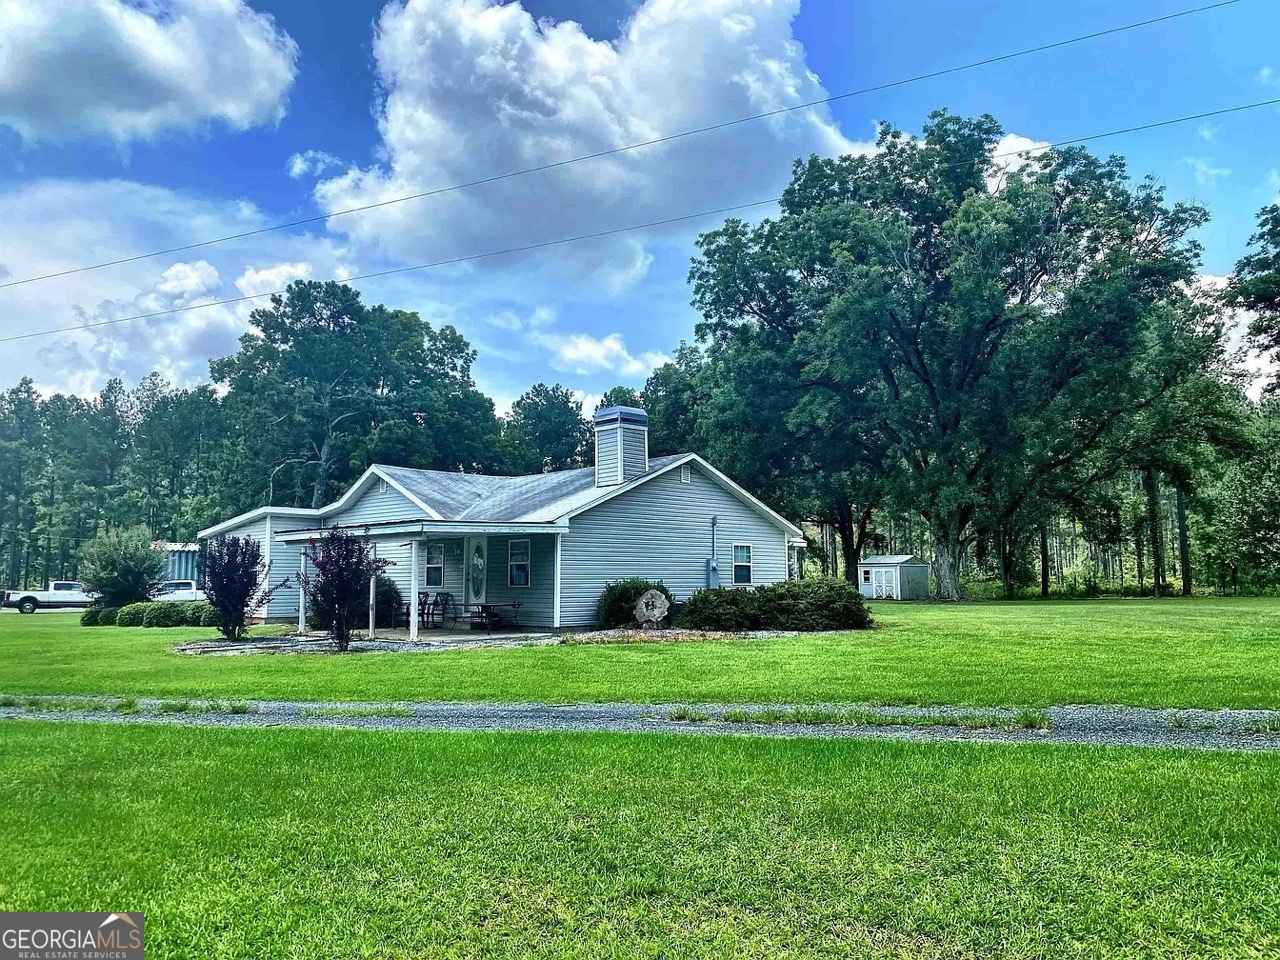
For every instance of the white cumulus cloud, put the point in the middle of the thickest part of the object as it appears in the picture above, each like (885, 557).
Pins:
(478, 88)
(582, 353)
(48, 226)
(127, 70)
(1205, 171)
(311, 163)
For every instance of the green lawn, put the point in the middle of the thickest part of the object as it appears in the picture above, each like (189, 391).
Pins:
(1176, 653)
(306, 843)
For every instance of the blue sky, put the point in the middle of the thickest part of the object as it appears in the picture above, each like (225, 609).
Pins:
(156, 123)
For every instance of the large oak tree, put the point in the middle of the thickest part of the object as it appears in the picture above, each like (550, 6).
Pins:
(955, 332)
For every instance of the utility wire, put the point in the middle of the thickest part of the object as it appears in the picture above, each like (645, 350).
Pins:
(544, 244)
(634, 146)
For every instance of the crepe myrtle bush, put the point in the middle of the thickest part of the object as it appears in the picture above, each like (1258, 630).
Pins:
(234, 575)
(337, 586)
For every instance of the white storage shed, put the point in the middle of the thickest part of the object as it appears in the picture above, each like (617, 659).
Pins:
(898, 576)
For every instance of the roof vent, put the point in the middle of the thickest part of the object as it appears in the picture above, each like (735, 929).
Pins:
(622, 445)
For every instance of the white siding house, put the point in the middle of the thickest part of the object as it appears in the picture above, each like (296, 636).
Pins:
(552, 541)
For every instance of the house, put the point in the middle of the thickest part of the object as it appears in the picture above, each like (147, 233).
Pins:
(551, 541)
(899, 576)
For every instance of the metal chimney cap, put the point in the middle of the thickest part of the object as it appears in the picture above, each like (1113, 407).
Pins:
(624, 415)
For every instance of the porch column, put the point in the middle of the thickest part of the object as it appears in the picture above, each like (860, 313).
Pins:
(302, 594)
(413, 590)
(555, 588)
(373, 595)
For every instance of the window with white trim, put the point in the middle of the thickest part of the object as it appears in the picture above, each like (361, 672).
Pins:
(435, 564)
(518, 563)
(686, 475)
(382, 486)
(742, 564)
(866, 575)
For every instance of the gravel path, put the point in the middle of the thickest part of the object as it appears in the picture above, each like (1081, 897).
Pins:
(1131, 726)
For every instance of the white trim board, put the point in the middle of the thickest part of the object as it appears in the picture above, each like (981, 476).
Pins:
(241, 519)
(358, 488)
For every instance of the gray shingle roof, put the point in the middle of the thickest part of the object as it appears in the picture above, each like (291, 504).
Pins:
(886, 558)
(533, 498)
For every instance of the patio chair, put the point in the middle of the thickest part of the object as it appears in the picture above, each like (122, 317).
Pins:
(424, 608)
(445, 608)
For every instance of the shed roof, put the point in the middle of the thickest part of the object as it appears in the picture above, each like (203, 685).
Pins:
(892, 559)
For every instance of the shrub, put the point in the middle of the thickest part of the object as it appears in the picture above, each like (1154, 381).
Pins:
(388, 602)
(130, 615)
(163, 613)
(617, 604)
(233, 578)
(721, 608)
(121, 566)
(819, 603)
(208, 615)
(90, 617)
(191, 612)
(107, 616)
(338, 586)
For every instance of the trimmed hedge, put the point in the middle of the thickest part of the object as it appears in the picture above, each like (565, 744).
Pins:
(617, 604)
(107, 616)
(131, 615)
(191, 613)
(720, 608)
(208, 615)
(818, 603)
(163, 613)
(90, 617)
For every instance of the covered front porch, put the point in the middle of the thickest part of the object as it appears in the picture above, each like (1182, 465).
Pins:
(450, 578)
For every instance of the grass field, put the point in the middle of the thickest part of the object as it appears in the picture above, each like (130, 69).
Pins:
(329, 844)
(1171, 653)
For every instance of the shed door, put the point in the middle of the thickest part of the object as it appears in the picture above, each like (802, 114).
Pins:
(882, 587)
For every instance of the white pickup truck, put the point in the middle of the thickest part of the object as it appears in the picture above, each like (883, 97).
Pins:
(177, 590)
(61, 595)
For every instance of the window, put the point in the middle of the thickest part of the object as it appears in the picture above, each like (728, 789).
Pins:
(866, 575)
(686, 475)
(382, 486)
(66, 586)
(742, 563)
(435, 564)
(518, 563)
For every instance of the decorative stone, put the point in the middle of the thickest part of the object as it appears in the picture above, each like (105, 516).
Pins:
(651, 609)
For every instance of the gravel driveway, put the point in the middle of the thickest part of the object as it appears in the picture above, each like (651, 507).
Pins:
(1130, 726)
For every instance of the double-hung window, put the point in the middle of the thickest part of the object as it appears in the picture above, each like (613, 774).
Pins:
(742, 563)
(435, 564)
(518, 563)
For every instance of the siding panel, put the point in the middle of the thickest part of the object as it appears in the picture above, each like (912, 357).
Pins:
(538, 597)
(661, 530)
(376, 506)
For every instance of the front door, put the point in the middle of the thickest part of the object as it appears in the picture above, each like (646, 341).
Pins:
(882, 584)
(477, 568)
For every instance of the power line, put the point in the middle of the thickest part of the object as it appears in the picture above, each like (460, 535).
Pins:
(932, 75)
(544, 244)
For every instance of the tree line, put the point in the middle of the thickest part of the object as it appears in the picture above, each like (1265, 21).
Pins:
(1008, 369)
